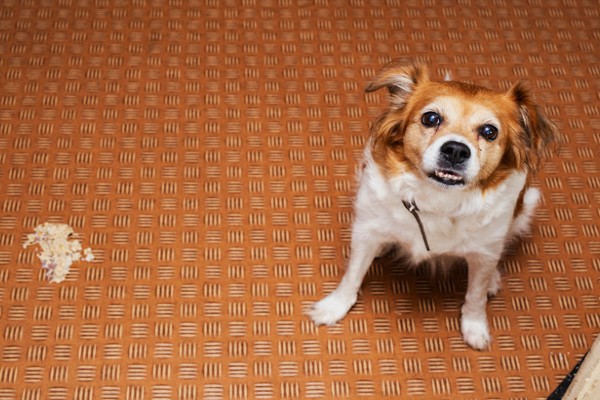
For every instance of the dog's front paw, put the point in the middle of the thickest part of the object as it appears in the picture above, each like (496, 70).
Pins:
(475, 333)
(332, 308)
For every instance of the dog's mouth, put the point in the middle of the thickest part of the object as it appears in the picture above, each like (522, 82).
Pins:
(447, 177)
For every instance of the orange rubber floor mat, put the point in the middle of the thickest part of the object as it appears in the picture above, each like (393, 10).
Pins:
(206, 151)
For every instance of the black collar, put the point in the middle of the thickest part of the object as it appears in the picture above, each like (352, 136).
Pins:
(413, 209)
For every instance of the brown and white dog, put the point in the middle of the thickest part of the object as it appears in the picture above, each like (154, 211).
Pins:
(446, 173)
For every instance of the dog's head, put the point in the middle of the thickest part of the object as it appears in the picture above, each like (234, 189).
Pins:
(455, 134)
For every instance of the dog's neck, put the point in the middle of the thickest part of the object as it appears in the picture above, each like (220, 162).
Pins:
(433, 200)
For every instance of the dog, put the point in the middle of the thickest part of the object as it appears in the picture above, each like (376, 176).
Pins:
(446, 173)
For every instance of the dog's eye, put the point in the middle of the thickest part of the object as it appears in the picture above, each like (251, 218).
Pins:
(431, 119)
(488, 132)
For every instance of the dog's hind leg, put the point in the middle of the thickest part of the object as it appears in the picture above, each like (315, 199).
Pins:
(495, 283)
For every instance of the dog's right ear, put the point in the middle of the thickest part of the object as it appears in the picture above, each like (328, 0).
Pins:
(400, 79)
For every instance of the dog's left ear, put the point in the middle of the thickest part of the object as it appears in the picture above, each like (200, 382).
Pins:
(400, 79)
(537, 134)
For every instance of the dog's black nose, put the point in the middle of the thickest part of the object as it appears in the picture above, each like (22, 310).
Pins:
(455, 153)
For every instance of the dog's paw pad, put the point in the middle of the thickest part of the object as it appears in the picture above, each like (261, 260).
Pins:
(475, 333)
(332, 308)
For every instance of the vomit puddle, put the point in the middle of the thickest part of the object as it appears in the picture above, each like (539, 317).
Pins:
(58, 250)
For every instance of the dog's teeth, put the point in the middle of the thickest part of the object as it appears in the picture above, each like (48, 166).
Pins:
(447, 176)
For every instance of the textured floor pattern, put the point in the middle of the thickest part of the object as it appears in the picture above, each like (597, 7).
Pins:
(206, 151)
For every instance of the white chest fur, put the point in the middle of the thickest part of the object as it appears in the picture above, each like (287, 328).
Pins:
(455, 222)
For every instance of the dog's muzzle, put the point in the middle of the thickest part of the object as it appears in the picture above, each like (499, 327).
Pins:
(452, 163)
